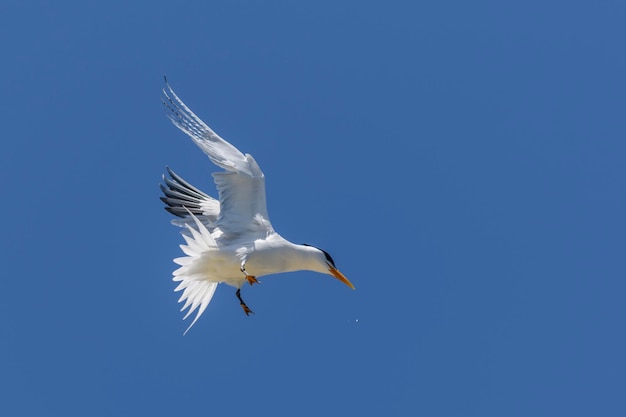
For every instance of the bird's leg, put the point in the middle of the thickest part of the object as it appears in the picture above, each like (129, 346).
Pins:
(246, 309)
(250, 278)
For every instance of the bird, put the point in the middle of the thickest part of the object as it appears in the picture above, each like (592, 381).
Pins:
(230, 239)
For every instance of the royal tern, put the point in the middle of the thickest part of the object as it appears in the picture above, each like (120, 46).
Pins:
(230, 240)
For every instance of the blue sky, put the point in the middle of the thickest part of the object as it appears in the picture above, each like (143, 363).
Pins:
(463, 162)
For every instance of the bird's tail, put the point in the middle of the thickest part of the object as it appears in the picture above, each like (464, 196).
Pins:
(197, 290)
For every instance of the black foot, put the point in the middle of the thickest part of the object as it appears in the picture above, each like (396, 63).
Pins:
(246, 309)
(243, 305)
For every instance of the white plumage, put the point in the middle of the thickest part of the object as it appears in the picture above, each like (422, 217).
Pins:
(230, 240)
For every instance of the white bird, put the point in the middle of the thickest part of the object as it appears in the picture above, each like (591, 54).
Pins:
(231, 240)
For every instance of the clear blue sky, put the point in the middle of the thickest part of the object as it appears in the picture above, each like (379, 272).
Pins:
(463, 162)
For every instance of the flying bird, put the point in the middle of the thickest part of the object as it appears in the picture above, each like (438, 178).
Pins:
(228, 240)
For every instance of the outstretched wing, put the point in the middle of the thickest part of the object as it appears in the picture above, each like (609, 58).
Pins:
(241, 188)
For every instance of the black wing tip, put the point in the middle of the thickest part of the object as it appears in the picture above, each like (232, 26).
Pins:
(177, 211)
(180, 197)
(168, 90)
(167, 87)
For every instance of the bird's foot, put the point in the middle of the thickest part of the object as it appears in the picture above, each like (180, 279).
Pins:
(246, 309)
(243, 305)
(252, 280)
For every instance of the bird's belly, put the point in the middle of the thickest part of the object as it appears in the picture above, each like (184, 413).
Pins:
(222, 266)
(261, 263)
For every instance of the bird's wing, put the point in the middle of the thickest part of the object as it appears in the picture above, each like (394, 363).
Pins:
(182, 198)
(241, 187)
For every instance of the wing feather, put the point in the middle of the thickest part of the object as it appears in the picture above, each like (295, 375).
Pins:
(242, 203)
(221, 153)
(182, 198)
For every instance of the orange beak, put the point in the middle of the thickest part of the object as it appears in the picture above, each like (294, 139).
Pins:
(335, 272)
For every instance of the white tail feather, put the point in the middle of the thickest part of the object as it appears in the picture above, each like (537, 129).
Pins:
(197, 290)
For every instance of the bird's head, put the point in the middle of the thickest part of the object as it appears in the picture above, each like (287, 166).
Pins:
(328, 265)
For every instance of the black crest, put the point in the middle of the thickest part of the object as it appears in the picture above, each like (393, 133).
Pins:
(328, 257)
